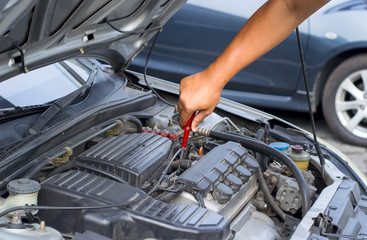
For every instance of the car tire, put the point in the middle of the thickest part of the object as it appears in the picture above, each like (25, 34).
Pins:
(344, 100)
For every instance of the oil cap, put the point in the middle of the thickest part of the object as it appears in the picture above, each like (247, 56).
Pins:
(23, 186)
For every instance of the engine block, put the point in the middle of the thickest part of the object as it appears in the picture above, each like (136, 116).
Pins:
(224, 177)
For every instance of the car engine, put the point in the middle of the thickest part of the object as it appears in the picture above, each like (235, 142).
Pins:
(130, 179)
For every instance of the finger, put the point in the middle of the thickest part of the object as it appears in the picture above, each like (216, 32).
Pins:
(181, 110)
(180, 105)
(197, 119)
(184, 117)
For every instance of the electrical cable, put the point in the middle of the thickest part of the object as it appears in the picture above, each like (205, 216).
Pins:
(159, 30)
(316, 143)
(145, 71)
(163, 173)
(132, 32)
(27, 207)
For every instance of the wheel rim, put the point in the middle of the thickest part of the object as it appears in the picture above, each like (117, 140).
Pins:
(351, 103)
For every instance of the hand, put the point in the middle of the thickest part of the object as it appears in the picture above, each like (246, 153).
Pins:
(198, 92)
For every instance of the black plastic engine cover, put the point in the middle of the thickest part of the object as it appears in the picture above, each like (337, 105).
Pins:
(219, 171)
(133, 157)
(146, 218)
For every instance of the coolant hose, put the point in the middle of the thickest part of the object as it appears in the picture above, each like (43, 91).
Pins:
(261, 147)
(134, 120)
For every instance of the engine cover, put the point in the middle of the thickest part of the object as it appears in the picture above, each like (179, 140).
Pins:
(222, 171)
(225, 179)
(133, 157)
(144, 218)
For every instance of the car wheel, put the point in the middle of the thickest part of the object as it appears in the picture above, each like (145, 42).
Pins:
(344, 100)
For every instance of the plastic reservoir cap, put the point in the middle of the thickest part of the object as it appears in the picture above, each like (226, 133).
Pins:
(279, 145)
(297, 149)
(23, 186)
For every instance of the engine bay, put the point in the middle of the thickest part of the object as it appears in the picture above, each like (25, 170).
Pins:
(103, 159)
(129, 178)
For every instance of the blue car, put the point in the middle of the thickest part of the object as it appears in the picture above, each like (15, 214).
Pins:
(335, 46)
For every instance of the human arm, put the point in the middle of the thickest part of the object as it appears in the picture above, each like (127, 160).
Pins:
(269, 25)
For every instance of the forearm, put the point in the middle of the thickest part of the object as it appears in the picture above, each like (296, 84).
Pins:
(270, 25)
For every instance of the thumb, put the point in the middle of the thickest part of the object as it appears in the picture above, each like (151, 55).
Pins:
(197, 120)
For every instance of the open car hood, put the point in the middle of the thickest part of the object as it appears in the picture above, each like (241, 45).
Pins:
(38, 33)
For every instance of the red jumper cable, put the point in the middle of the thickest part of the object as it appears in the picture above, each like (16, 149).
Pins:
(187, 129)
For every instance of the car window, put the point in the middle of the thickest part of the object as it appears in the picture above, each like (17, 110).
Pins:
(43, 85)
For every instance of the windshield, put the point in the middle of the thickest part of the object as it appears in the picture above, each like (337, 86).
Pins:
(43, 85)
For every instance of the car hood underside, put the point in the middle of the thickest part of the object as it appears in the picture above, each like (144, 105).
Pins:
(37, 33)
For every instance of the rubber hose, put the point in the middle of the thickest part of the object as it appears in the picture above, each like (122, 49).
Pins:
(136, 121)
(184, 164)
(261, 147)
(260, 134)
(268, 195)
(259, 157)
(66, 166)
(37, 168)
(167, 196)
(262, 160)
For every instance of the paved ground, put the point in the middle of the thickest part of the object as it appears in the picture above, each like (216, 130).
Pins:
(355, 153)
